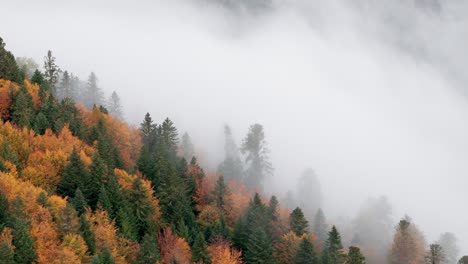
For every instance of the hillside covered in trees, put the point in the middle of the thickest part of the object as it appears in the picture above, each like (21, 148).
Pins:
(79, 185)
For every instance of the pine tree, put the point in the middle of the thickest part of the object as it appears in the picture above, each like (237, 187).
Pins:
(448, 242)
(220, 192)
(169, 136)
(4, 205)
(333, 247)
(126, 223)
(51, 71)
(6, 254)
(88, 235)
(309, 193)
(199, 250)
(255, 148)
(320, 226)
(149, 250)
(231, 167)
(148, 130)
(23, 243)
(297, 222)
(104, 257)
(114, 105)
(435, 254)
(65, 88)
(94, 94)
(104, 201)
(141, 207)
(8, 68)
(72, 176)
(79, 202)
(92, 189)
(274, 228)
(186, 147)
(7, 154)
(306, 254)
(40, 123)
(22, 108)
(354, 256)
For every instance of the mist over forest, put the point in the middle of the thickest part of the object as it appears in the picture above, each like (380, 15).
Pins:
(356, 112)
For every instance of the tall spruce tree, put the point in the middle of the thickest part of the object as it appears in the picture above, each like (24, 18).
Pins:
(74, 176)
(200, 252)
(435, 254)
(94, 94)
(333, 248)
(8, 68)
(355, 256)
(22, 108)
(320, 226)
(51, 71)
(297, 222)
(186, 147)
(149, 250)
(231, 167)
(258, 163)
(306, 253)
(115, 106)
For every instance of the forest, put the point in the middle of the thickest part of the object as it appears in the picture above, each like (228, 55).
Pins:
(80, 185)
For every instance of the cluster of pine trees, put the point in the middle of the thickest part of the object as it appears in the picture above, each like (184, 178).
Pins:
(78, 185)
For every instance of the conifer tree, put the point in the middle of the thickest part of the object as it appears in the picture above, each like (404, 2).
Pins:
(463, 260)
(51, 71)
(97, 175)
(104, 201)
(94, 94)
(6, 253)
(40, 123)
(65, 89)
(320, 226)
(199, 250)
(4, 205)
(23, 243)
(141, 207)
(126, 223)
(448, 242)
(22, 109)
(73, 176)
(88, 235)
(297, 222)
(149, 250)
(114, 105)
(104, 257)
(306, 254)
(186, 147)
(169, 136)
(354, 256)
(258, 163)
(333, 247)
(79, 202)
(7, 154)
(8, 68)
(435, 254)
(231, 167)
(274, 228)
(220, 192)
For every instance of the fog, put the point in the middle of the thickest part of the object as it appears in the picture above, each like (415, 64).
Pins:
(371, 95)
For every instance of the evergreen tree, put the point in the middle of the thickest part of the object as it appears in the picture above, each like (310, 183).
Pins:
(104, 201)
(104, 257)
(255, 148)
(126, 223)
(309, 193)
(40, 123)
(51, 71)
(4, 206)
(2, 167)
(79, 202)
(94, 95)
(73, 176)
(65, 88)
(22, 108)
(148, 130)
(88, 235)
(199, 250)
(274, 228)
(435, 254)
(23, 243)
(186, 147)
(169, 137)
(463, 260)
(306, 254)
(220, 192)
(297, 222)
(6, 254)
(98, 172)
(354, 256)
(333, 247)
(7, 154)
(141, 207)
(320, 226)
(114, 105)
(8, 68)
(149, 250)
(231, 167)
(448, 242)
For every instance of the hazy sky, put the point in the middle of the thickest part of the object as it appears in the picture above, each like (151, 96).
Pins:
(372, 96)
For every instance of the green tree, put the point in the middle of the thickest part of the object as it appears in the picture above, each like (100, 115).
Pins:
(297, 222)
(7, 154)
(355, 256)
(186, 147)
(98, 173)
(6, 254)
(149, 250)
(23, 243)
(40, 123)
(66, 89)
(104, 201)
(79, 202)
(320, 226)
(51, 71)
(22, 108)
(333, 248)
(435, 254)
(306, 254)
(88, 235)
(126, 223)
(169, 137)
(8, 68)
(199, 250)
(255, 148)
(104, 257)
(115, 106)
(220, 192)
(94, 94)
(231, 167)
(73, 176)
